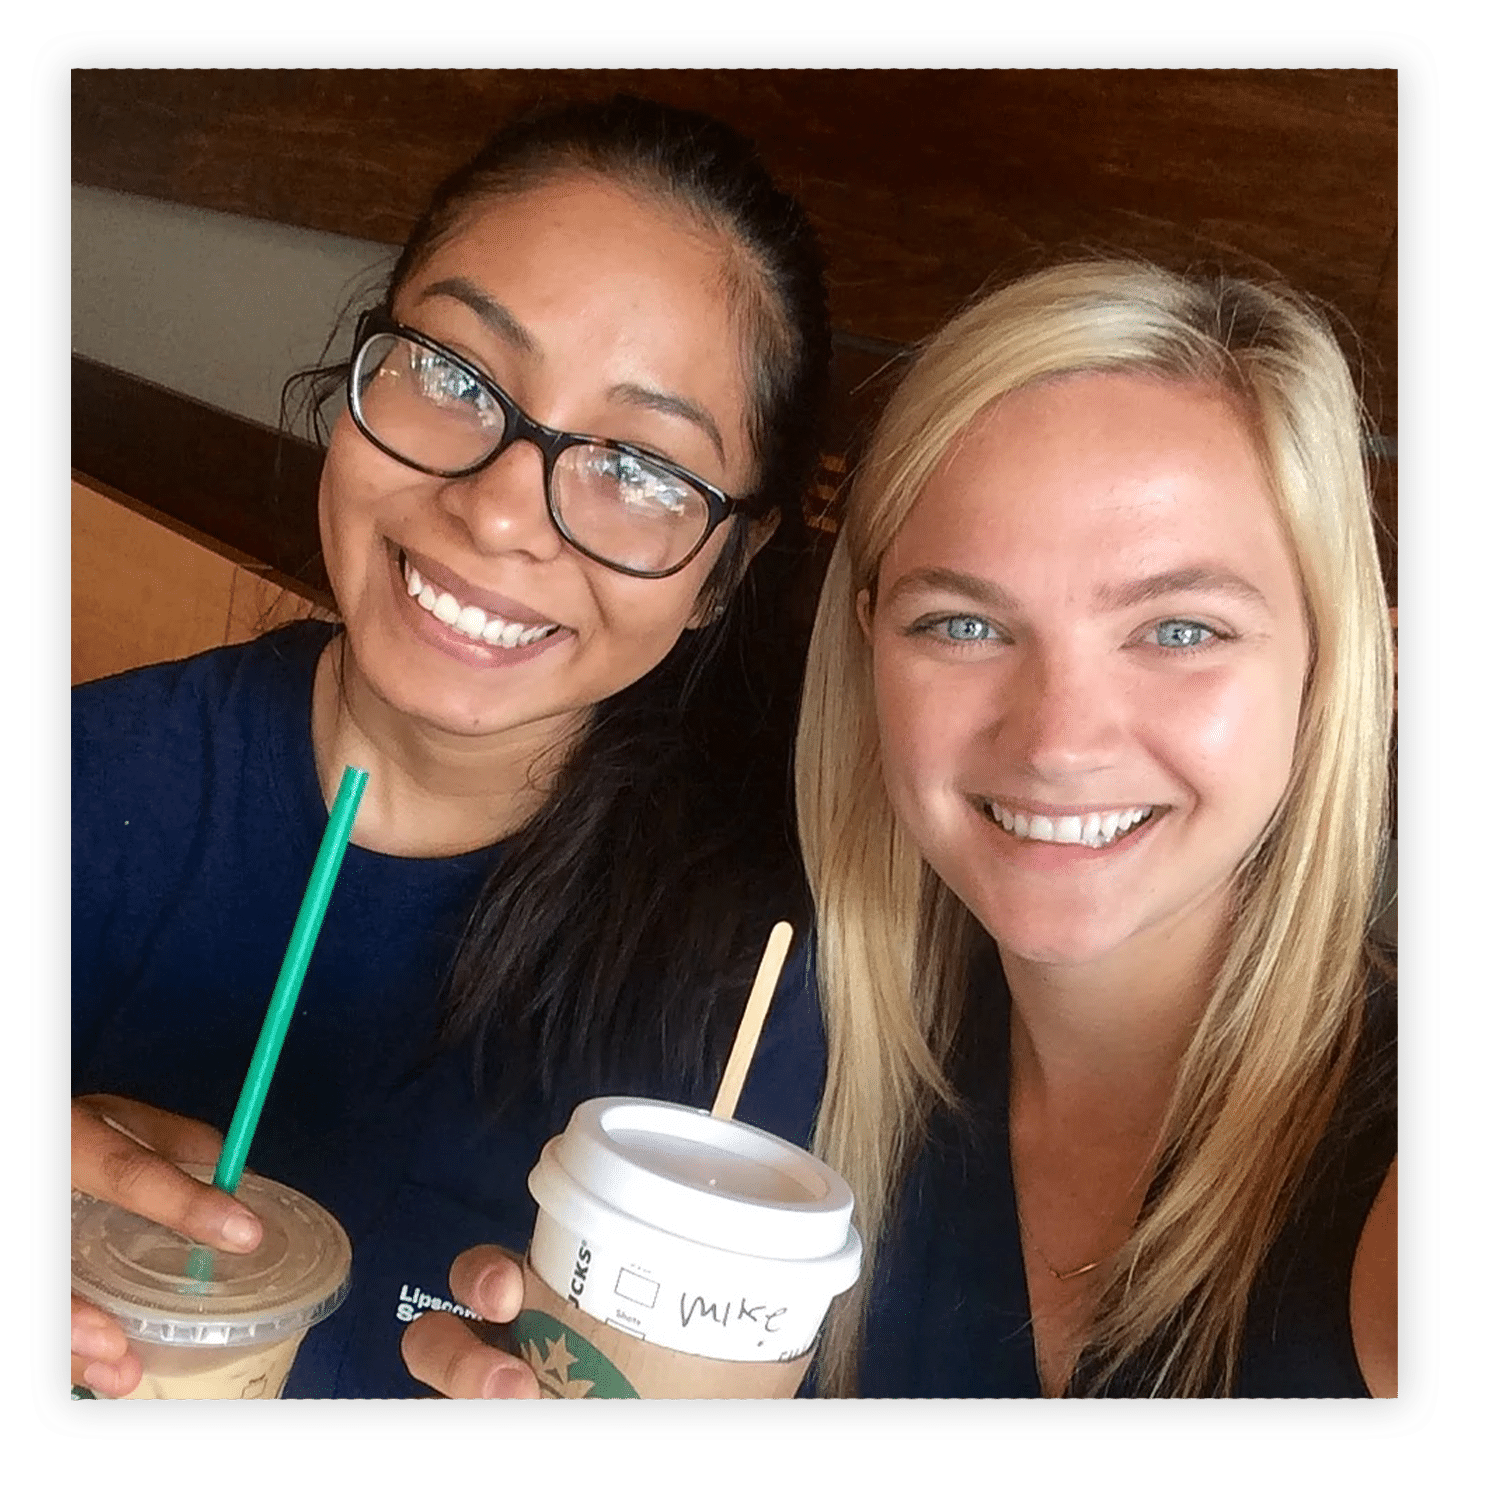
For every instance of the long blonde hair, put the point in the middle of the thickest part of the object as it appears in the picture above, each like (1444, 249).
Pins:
(1257, 1086)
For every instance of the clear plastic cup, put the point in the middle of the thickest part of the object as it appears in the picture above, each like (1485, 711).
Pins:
(684, 1254)
(212, 1325)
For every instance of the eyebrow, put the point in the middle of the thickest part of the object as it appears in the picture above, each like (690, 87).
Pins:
(672, 406)
(1193, 579)
(951, 581)
(500, 320)
(494, 315)
(1198, 579)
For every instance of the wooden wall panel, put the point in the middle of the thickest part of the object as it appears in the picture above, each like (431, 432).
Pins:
(250, 488)
(146, 589)
(925, 184)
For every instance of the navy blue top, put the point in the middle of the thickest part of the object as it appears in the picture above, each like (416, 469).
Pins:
(950, 1313)
(197, 813)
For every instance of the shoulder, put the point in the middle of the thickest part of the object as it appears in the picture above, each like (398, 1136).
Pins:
(1372, 1292)
(1372, 1123)
(290, 651)
(1321, 1316)
(161, 709)
(149, 746)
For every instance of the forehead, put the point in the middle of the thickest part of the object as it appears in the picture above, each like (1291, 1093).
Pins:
(595, 285)
(1096, 474)
(575, 217)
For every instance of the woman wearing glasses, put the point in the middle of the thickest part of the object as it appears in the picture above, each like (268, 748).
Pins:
(584, 406)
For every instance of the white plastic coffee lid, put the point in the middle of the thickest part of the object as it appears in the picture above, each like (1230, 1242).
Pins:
(143, 1275)
(687, 1173)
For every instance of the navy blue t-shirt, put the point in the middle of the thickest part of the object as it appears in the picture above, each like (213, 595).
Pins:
(197, 813)
(950, 1314)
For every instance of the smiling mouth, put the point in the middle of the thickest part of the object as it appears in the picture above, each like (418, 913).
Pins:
(468, 619)
(1093, 830)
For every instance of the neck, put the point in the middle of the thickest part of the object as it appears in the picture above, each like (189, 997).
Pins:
(1109, 1036)
(430, 793)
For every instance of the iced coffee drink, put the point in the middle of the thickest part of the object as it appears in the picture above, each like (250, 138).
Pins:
(212, 1325)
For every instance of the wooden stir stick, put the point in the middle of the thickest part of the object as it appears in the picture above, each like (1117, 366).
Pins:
(777, 946)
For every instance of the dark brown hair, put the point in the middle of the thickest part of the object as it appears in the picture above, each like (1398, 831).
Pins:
(619, 931)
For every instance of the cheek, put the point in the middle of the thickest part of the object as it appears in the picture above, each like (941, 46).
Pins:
(918, 739)
(644, 618)
(362, 492)
(343, 488)
(1234, 733)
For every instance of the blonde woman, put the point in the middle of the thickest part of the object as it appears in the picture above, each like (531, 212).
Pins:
(1092, 782)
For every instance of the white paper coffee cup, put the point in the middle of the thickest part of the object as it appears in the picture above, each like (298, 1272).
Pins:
(696, 1234)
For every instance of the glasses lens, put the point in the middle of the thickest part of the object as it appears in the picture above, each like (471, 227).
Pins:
(422, 406)
(627, 510)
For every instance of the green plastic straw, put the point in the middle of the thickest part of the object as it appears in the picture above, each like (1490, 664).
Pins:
(200, 1261)
(289, 982)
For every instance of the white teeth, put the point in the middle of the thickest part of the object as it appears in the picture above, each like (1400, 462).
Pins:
(1093, 829)
(469, 619)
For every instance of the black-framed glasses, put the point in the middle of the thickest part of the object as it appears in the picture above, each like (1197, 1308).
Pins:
(432, 410)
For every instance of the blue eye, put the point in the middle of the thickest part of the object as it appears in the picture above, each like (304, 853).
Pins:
(1181, 634)
(966, 628)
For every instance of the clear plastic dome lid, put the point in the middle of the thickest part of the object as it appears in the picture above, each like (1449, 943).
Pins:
(166, 1290)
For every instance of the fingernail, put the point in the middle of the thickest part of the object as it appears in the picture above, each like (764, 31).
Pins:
(100, 1377)
(86, 1315)
(240, 1229)
(97, 1339)
(485, 1291)
(504, 1381)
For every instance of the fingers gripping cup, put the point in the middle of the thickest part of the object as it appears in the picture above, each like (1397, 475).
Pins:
(679, 1254)
(223, 1327)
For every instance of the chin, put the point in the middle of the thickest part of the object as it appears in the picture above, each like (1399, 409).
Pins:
(1070, 950)
(1064, 939)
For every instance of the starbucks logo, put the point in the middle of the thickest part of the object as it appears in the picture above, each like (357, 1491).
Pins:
(566, 1364)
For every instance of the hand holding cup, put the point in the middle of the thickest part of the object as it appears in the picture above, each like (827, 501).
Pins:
(132, 1154)
(446, 1352)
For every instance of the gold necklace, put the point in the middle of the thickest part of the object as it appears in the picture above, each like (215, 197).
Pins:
(1052, 1270)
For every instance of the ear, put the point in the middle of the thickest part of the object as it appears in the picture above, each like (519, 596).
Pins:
(757, 534)
(761, 531)
(864, 611)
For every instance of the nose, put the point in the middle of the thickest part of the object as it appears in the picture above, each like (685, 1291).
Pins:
(1063, 713)
(503, 507)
